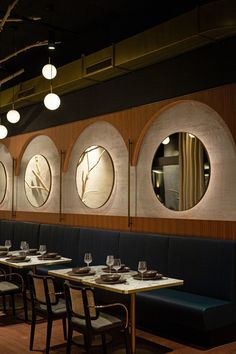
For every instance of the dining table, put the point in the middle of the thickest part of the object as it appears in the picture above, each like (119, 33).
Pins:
(127, 285)
(31, 261)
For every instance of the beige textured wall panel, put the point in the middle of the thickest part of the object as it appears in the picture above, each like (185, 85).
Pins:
(42, 145)
(199, 119)
(6, 159)
(105, 135)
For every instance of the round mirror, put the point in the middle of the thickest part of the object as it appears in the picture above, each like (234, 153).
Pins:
(180, 171)
(95, 176)
(3, 182)
(37, 180)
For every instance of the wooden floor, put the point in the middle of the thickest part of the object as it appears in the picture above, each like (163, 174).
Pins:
(14, 339)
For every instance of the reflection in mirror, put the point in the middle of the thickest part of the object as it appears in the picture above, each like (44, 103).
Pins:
(95, 176)
(180, 171)
(37, 180)
(3, 182)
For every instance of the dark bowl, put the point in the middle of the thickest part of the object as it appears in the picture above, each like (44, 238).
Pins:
(3, 248)
(110, 277)
(3, 253)
(18, 258)
(150, 273)
(81, 270)
(33, 250)
(50, 254)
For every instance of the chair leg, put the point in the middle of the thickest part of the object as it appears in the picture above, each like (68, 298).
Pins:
(33, 322)
(127, 341)
(69, 340)
(25, 306)
(49, 331)
(13, 304)
(64, 328)
(87, 343)
(104, 344)
(4, 303)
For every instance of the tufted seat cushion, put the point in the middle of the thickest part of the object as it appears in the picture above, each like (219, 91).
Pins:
(105, 321)
(197, 311)
(6, 287)
(57, 309)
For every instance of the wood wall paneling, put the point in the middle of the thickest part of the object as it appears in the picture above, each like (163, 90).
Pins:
(130, 123)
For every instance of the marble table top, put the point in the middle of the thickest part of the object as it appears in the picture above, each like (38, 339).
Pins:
(130, 286)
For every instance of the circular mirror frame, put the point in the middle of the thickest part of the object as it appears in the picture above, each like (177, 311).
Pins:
(171, 162)
(4, 184)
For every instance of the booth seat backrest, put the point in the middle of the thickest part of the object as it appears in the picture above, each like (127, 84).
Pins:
(61, 239)
(134, 247)
(98, 242)
(25, 231)
(206, 266)
(6, 231)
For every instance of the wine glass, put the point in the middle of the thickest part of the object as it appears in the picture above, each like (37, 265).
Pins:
(42, 249)
(117, 264)
(110, 262)
(88, 258)
(142, 267)
(8, 244)
(22, 245)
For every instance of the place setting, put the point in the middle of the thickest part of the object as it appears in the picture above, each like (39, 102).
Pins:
(145, 274)
(83, 271)
(112, 276)
(45, 255)
(21, 258)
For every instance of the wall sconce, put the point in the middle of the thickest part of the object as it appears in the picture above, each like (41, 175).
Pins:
(166, 140)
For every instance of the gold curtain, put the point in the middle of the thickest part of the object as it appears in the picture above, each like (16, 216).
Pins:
(191, 163)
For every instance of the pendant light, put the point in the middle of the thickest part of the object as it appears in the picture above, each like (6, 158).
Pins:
(51, 100)
(49, 71)
(13, 116)
(3, 131)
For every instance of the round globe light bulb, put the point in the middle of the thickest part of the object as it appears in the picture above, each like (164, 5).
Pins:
(49, 71)
(13, 116)
(52, 101)
(3, 131)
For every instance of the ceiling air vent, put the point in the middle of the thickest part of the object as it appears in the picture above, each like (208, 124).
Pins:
(27, 92)
(107, 63)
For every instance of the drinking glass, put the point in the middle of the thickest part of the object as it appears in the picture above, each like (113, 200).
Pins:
(117, 264)
(142, 267)
(22, 245)
(88, 258)
(42, 249)
(110, 262)
(8, 244)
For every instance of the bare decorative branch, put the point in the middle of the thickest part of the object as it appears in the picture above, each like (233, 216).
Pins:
(7, 14)
(34, 45)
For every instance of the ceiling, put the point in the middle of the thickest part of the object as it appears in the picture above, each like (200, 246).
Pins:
(78, 27)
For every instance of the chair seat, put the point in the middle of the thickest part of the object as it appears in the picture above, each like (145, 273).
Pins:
(104, 322)
(57, 309)
(6, 287)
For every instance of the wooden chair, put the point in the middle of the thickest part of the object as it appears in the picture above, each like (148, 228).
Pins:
(84, 316)
(46, 303)
(12, 284)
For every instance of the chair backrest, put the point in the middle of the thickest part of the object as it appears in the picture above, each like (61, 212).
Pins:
(43, 290)
(80, 302)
